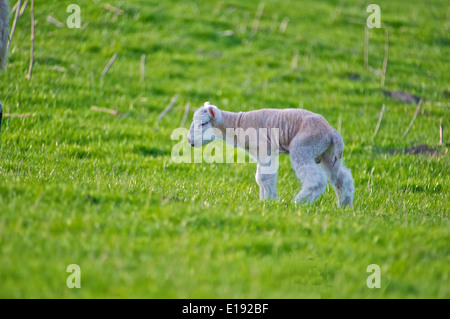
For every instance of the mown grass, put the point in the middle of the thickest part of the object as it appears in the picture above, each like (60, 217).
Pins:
(84, 187)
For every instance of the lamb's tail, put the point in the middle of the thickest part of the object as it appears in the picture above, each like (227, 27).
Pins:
(4, 33)
(338, 147)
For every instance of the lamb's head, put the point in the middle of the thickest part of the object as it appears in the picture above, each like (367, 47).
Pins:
(203, 125)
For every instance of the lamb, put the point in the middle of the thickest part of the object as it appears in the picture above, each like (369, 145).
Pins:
(4, 35)
(315, 148)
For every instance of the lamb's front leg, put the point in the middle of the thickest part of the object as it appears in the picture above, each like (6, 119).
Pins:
(267, 184)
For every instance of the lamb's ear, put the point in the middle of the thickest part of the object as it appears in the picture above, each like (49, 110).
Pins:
(214, 113)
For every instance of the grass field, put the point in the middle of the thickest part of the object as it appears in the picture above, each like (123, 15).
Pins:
(83, 187)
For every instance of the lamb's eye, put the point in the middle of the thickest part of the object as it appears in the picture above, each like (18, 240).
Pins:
(203, 124)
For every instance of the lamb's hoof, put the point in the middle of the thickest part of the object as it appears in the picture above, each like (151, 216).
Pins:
(345, 205)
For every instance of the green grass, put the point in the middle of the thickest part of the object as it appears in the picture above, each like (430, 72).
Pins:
(84, 187)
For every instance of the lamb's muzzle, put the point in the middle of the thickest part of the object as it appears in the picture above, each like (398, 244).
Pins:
(315, 148)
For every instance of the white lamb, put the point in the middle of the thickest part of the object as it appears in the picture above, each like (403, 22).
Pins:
(4, 35)
(314, 147)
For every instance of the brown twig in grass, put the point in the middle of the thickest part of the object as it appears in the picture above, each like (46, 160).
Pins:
(22, 10)
(105, 110)
(248, 81)
(274, 25)
(13, 29)
(142, 67)
(112, 9)
(111, 61)
(53, 21)
(17, 115)
(370, 181)
(294, 62)
(284, 24)
(379, 121)
(441, 133)
(30, 69)
(186, 111)
(414, 117)
(243, 26)
(16, 7)
(259, 13)
(167, 109)
(386, 54)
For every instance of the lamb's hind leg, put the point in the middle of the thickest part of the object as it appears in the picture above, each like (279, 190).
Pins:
(344, 187)
(340, 178)
(303, 154)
